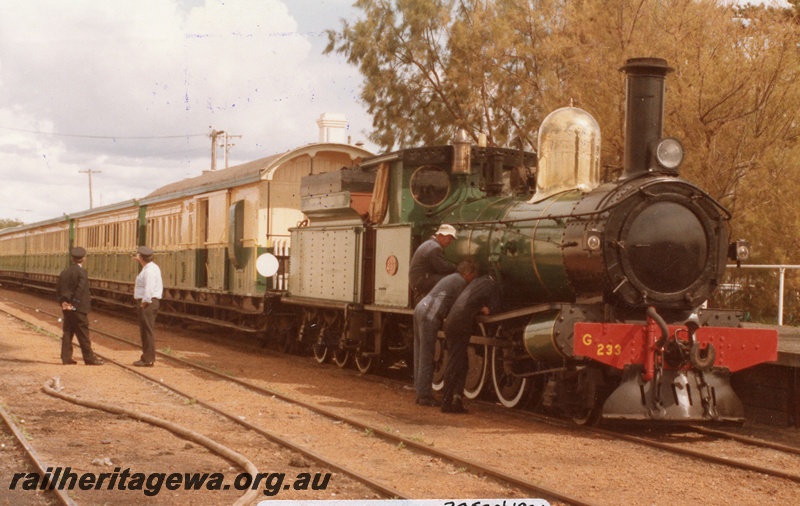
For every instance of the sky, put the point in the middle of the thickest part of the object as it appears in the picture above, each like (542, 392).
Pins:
(132, 89)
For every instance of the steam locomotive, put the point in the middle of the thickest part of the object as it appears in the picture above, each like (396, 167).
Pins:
(604, 285)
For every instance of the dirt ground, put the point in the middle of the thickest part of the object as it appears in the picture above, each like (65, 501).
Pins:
(92, 441)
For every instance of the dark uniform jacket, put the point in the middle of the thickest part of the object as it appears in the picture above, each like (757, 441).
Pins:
(428, 266)
(73, 287)
(483, 291)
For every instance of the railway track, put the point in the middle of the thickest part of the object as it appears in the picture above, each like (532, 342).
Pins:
(526, 418)
(392, 440)
(59, 496)
(761, 452)
(678, 439)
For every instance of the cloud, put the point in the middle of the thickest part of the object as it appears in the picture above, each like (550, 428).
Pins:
(132, 89)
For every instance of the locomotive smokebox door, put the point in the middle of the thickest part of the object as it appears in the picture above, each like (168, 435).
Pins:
(392, 260)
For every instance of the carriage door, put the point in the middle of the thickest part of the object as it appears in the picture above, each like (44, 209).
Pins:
(201, 257)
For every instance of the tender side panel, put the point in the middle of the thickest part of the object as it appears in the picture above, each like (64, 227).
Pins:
(330, 263)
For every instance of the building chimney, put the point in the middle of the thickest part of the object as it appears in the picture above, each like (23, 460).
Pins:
(332, 128)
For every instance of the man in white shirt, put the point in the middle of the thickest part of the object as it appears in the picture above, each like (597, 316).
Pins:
(147, 292)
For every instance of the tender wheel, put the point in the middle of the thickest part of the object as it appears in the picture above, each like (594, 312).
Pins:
(287, 337)
(367, 364)
(511, 390)
(288, 344)
(321, 352)
(341, 358)
(308, 333)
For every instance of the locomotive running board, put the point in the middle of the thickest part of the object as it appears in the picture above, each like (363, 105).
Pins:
(681, 398)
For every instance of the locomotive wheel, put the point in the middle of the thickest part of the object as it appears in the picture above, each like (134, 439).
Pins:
(589, 416)
(439, 363)
(476, 374)
(341, 358)
(478, 356)
(511, 390)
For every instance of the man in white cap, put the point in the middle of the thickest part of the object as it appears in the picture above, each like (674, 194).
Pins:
(76, 302)
(428, 264)
(147, 291)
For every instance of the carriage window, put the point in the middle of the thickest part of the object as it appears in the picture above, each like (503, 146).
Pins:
(430, 185)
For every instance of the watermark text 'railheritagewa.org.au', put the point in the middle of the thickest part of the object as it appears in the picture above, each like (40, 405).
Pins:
(151, 484)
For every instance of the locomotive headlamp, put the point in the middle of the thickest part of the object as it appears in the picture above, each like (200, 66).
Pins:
(739, 250)
(669, 153)
(592, 240)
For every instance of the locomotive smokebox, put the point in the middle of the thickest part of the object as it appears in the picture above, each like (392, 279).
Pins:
(644, 112)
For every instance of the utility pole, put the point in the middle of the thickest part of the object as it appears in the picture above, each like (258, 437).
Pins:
(229, 146)
(224, 144)
(214, 134)
(90, 172)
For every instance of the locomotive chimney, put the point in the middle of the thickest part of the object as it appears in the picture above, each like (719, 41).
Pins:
(644, 112)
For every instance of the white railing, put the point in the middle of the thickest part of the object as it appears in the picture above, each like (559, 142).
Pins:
(280, 281)
(782, 271)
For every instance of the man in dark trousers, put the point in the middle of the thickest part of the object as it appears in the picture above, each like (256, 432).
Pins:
(76, 302)
(147, 292)
(481, 296)
(428, 264)
(428, 316)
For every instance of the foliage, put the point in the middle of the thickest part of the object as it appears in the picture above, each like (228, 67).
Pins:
(499, 66)
(8, 223)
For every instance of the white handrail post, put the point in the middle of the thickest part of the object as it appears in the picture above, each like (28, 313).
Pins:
(782, 274)
(780, 299)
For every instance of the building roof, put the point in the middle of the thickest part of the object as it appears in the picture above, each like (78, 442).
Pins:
(261, 169)
(212, 179)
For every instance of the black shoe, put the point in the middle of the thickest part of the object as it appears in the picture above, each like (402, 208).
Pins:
(68, 362)
(428, 401)
(453, 408)
(142, 363)
(94, 361)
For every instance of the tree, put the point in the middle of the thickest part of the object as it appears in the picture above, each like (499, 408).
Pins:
(432, 66)
(8, 223)
(499, 66)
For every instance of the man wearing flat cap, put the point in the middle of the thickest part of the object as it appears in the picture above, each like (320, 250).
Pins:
(147, 292)
(428, 264)
(73, 294)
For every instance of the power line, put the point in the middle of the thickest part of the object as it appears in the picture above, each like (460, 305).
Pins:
(104, 136)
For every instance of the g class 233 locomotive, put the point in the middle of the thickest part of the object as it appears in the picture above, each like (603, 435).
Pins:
(603, 284)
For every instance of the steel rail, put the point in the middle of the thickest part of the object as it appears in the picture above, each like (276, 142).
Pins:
(746, 439)
(62, 495)
(373, 484)
(737, 464)
(474, 466)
